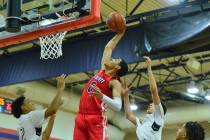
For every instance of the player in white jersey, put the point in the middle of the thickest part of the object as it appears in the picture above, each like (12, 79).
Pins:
(30, 120)
(150, 128)
(191, 131)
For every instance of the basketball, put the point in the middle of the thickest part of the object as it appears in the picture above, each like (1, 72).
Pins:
(116, 22)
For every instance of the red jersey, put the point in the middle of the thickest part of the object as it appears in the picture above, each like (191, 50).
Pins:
(91, 104)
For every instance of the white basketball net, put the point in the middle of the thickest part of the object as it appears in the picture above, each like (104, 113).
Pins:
(51, 45)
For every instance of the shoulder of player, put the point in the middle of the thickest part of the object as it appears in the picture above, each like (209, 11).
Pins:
(158, 107)
(36, 112)
(32, 112)
(115, 82)
(24, 118)
(26, 115)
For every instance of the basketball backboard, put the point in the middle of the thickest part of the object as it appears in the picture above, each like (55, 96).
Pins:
(44, 17)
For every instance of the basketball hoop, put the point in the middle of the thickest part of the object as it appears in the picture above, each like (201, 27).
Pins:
(51, 45)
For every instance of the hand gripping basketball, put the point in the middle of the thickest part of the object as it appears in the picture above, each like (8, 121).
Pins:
(116, 22)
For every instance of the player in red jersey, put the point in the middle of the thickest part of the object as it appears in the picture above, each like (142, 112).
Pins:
(102, 90)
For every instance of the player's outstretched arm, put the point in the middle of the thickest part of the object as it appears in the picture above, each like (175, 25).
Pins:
(109, 48)
(46, 133)
(51, 110)
(129, 114)
(152, 82)
(116, 102)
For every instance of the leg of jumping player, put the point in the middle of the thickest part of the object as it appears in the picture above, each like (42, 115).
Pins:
(97, 127)
(80, 128)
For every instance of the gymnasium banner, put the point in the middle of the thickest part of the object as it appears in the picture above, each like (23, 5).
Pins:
(170, 32)
(84, 54)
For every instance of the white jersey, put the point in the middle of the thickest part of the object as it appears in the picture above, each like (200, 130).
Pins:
(151, 127)
(28, 124)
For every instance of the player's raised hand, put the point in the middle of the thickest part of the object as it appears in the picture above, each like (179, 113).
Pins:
(61, 82)
(148, 61)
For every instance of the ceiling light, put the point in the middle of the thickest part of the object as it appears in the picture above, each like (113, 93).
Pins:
(133, 105)
(207, 97)
(192, 88)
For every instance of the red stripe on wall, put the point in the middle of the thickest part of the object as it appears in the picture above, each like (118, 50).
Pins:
(8, 131)
(14, 132)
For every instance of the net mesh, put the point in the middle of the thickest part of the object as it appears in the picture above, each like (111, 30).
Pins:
(51, 45)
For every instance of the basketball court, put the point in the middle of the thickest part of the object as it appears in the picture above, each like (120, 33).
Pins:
(41, 39)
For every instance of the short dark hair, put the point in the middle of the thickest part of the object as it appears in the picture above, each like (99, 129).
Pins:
(16, 106)
(164, 107)
(123, 68)
(194, 131)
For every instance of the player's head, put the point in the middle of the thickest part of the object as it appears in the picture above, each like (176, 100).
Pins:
(119, 66)
(20, 106)
(191, 131)
(150, 108)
